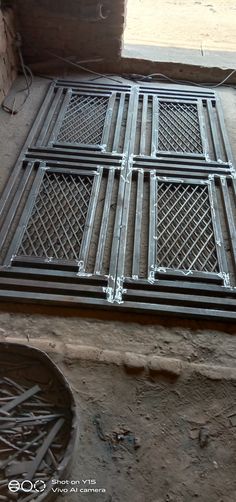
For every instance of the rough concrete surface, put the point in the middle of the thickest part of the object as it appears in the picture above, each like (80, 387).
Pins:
(159, 435)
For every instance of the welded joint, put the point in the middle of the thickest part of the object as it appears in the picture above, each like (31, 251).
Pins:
(125, 178)
(49, 259)
(109, 293)
(43, 166)
(167, 178)
(226, 279)
(119, 290)
(223, 180)
(103, 148)
(81, 268)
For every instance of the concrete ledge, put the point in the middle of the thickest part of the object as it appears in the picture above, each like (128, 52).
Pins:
(136, 362)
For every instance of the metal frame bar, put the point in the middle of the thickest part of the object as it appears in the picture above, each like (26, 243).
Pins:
(138, 226)
(67, 97)
(152, 238)
(13, 248)
(230, 220)
(107, 122)
(201, 129)
(104, 223)
(58, 282)
(84, 249)
(221, 254)
(118, 122)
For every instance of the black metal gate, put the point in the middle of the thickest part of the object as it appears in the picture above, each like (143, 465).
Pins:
(123, 197)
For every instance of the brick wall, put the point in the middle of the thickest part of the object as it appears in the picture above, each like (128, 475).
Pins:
(8, 59)
(79, 29)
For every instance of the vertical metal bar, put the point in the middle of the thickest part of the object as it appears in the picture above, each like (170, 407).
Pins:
(15, 203)
(10, 185)
(143, 133)
(221, 255)
(52, 109)
(118, 123)
(227, 146)
(131, 124)
(203, 131)
(60, 117)
(155, 113)
(152, 238)
(26, 214)
(229, 218)
(125, 212)
(104, 223)
(138, 227)
(125, 178)
(116, 237)
(108, 120)
(215, 137)
(40, 116)
(83, 254)
(234, 188)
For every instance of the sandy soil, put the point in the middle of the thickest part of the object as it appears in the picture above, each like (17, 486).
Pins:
(190, 24)
(152, 439)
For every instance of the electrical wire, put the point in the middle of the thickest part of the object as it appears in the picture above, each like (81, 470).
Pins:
(78, 65)
(189, 82)
(28, 75)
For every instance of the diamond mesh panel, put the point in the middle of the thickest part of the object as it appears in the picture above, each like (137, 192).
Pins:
(83, 120)
(179, 129)
(57, 222)
(184, 229)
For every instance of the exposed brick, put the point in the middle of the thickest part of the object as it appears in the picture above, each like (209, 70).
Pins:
(8, 58)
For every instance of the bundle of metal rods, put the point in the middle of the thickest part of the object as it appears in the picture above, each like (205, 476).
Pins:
(31, 438)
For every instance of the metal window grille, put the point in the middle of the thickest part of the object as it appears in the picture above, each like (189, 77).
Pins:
(185, 237)
(56, 226)
(83, 121)
(123, 195)
(179, 128)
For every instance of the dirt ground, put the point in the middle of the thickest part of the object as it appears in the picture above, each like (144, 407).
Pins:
(144, 437)
(182, 30)
(168, 23)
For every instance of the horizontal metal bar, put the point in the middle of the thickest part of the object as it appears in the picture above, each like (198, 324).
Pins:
(36, 261)
(51, 274)
(172, 298)
(51, 287)
(173, 284)
(175, 159)
(80, 172)
(76, 146)
(73, 158)
(55, 299)
(190, 275)
(180, 311)
(137, 307)
(89, 85)
(167, 89)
